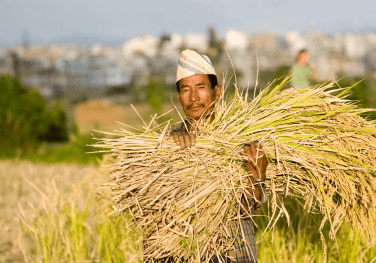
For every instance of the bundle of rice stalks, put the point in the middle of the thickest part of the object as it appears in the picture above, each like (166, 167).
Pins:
(186, 202)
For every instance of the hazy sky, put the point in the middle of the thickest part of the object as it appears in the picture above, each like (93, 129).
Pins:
(49, 19)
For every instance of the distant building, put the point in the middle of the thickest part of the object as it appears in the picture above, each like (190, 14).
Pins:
(236, 40)
(355, 46)
(147, 45)
(197, 42)
(171, 48)
(296, 42)
(76, 70)
(106, 72)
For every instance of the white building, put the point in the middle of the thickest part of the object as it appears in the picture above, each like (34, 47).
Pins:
(197, 42)
(355, 46)
(236, 40)
(296, 42)
(171, 48)
(97, 50)
(147, 45)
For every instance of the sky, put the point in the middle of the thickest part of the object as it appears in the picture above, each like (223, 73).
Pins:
(119, 20)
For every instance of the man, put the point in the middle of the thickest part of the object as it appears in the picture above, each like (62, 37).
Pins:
(301, 72)
(198, 91)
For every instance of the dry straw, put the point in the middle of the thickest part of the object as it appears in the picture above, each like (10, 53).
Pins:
(186, 202)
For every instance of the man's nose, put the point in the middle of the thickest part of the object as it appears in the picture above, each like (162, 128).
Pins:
(194, 95)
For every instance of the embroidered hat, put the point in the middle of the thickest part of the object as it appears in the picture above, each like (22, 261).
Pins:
(192, 63)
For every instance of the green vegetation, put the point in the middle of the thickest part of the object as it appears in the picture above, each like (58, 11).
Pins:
(364, 92)
(156, 93)
(300, 241)
(26, 120)
(33, 129)
(278, 74)
(78, 150)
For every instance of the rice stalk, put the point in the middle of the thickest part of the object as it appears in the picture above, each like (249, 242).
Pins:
(184, 202)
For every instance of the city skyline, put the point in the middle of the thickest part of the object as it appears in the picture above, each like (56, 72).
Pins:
(113, 22)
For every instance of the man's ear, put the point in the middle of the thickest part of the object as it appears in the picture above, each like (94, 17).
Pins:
(218, 91)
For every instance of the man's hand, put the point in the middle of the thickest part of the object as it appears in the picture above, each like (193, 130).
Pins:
(183, 138)
(255, 164)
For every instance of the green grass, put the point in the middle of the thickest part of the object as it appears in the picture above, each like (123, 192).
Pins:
(76, 151)
(301, 242)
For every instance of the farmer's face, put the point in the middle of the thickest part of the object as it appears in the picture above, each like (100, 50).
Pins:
(196, 95)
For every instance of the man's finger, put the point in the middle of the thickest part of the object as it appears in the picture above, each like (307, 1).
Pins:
(247, 150)
(250, 154)
(254, 146)
(255, 149)
(181, 140)
(184, 139)
(193, 139)
(187, 140)
(175, 138)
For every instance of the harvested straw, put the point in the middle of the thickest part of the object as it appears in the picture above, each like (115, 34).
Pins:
(185, 201)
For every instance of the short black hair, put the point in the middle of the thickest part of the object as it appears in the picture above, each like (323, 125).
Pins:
(212, 78)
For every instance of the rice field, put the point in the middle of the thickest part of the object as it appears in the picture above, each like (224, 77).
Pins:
(51, 213)
(63, 220)
(17, 192)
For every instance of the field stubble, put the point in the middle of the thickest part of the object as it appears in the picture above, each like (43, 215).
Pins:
(62, 220)
(15, 192)
(51, 213)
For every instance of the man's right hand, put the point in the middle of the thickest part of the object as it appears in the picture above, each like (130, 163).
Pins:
(183, 138)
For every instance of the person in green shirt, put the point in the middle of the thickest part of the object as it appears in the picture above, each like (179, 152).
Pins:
(301, 72)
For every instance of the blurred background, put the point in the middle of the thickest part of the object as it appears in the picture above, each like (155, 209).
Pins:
(68, 67)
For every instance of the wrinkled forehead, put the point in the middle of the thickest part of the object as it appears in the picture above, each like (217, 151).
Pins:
(195, 80)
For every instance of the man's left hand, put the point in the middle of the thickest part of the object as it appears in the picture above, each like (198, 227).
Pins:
(255, 164)
(183, 138)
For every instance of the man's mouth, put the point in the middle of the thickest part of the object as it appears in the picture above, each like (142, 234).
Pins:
(195, 106)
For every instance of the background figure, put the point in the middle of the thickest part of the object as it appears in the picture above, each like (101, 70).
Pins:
(301, 72)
